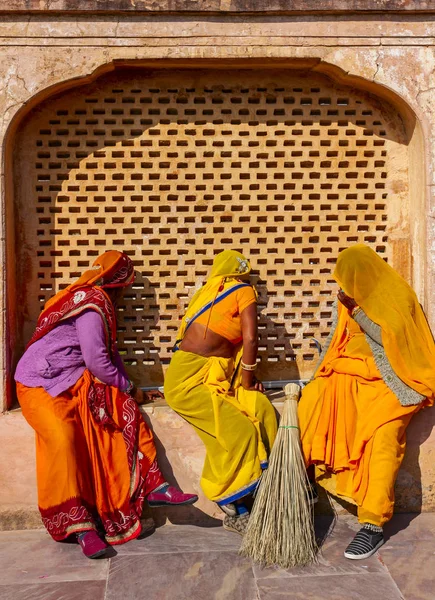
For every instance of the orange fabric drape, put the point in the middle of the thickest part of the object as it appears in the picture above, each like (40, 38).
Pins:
(353, 426)
(110, 270)
(87, 467)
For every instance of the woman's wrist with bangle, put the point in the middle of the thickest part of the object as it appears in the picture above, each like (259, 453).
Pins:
(355, 310)
(131, 388)
(247, 367)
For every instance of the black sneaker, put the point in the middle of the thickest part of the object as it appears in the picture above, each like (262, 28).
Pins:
(364, 544)
(313, 496)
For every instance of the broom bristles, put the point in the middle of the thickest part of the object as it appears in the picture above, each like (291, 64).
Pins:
(281, 530)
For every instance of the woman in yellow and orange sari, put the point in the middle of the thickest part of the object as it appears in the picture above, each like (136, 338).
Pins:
(96, 458)
(211, 383)
(376, 371)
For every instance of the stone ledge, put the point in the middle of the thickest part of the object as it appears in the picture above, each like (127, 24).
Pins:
(181, 456)
(16, 519)
(276, 396)
(216, 6)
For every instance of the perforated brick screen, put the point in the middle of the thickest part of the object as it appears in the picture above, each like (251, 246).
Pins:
(173, 167)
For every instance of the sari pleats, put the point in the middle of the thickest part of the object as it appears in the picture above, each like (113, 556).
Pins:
(96, 459)
(237, 427)
(353, 426)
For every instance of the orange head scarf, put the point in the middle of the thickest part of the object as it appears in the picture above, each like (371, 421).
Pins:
(112, 269)
(389, 301)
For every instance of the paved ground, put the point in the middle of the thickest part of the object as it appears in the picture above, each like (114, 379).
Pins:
(184, 562)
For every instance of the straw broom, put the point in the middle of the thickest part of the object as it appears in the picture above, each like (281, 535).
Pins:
(280, 530)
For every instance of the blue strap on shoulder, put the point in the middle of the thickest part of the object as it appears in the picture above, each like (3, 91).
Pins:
(209, 305)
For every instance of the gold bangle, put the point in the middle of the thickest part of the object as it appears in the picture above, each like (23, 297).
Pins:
(248, 367)
(355, 311)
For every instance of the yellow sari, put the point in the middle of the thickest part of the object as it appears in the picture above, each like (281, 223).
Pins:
(352, 424)
(237, 426)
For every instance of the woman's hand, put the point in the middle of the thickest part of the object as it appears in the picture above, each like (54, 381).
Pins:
(256, 386)
(152, 395)
(142, 397)
(348, 302)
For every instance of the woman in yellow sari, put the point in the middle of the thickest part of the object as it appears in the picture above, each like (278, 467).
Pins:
(377, 369)
(210, 383)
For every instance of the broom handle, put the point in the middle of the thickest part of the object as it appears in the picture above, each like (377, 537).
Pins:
(292, 391)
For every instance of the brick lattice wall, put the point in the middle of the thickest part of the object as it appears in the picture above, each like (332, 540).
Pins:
(174, 166)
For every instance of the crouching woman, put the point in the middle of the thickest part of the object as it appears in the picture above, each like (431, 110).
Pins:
(211, 383)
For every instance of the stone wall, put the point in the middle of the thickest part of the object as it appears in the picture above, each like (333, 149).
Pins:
(49, 48)
(287, 167)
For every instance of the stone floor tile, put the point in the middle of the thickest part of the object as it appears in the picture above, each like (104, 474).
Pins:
(412, 566)
(334, 587)
(66, 590)
(182, 538)
(33, 557)
(410, 526)
(184, 576)
(330, 559)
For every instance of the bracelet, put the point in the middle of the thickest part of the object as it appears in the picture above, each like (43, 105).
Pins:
(248, 367)
(355, 311)
(130, 387)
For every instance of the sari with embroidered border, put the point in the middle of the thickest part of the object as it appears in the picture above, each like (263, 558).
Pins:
(96, 458)
(237, 426)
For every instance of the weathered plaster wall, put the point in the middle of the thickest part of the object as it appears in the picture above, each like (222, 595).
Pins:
(397, 52)
(217, 6)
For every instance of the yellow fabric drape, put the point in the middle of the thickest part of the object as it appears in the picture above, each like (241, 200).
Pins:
(237, 426)
(227, 265)
(352, 424)
(390, 302)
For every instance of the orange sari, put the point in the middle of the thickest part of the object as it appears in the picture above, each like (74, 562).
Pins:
(96, 458)
(353, 426)
(352, 423)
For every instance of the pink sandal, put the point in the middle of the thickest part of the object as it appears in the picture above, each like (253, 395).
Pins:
(167, 495)
(91, 544)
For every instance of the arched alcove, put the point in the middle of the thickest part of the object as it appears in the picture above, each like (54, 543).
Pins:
(173, 165)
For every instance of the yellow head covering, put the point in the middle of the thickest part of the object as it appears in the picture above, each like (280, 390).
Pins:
(390, 302)
(227, 265)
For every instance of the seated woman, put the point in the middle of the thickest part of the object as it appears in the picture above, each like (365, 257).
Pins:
(375, 372)
(96, 458)
(225, 404)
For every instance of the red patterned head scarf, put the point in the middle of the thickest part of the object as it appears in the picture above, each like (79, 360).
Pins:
(112, 269)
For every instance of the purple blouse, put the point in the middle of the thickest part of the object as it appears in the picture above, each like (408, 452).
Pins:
(58, 360)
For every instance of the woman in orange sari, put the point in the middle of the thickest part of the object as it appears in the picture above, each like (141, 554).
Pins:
(376, 371)
(96, 458)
